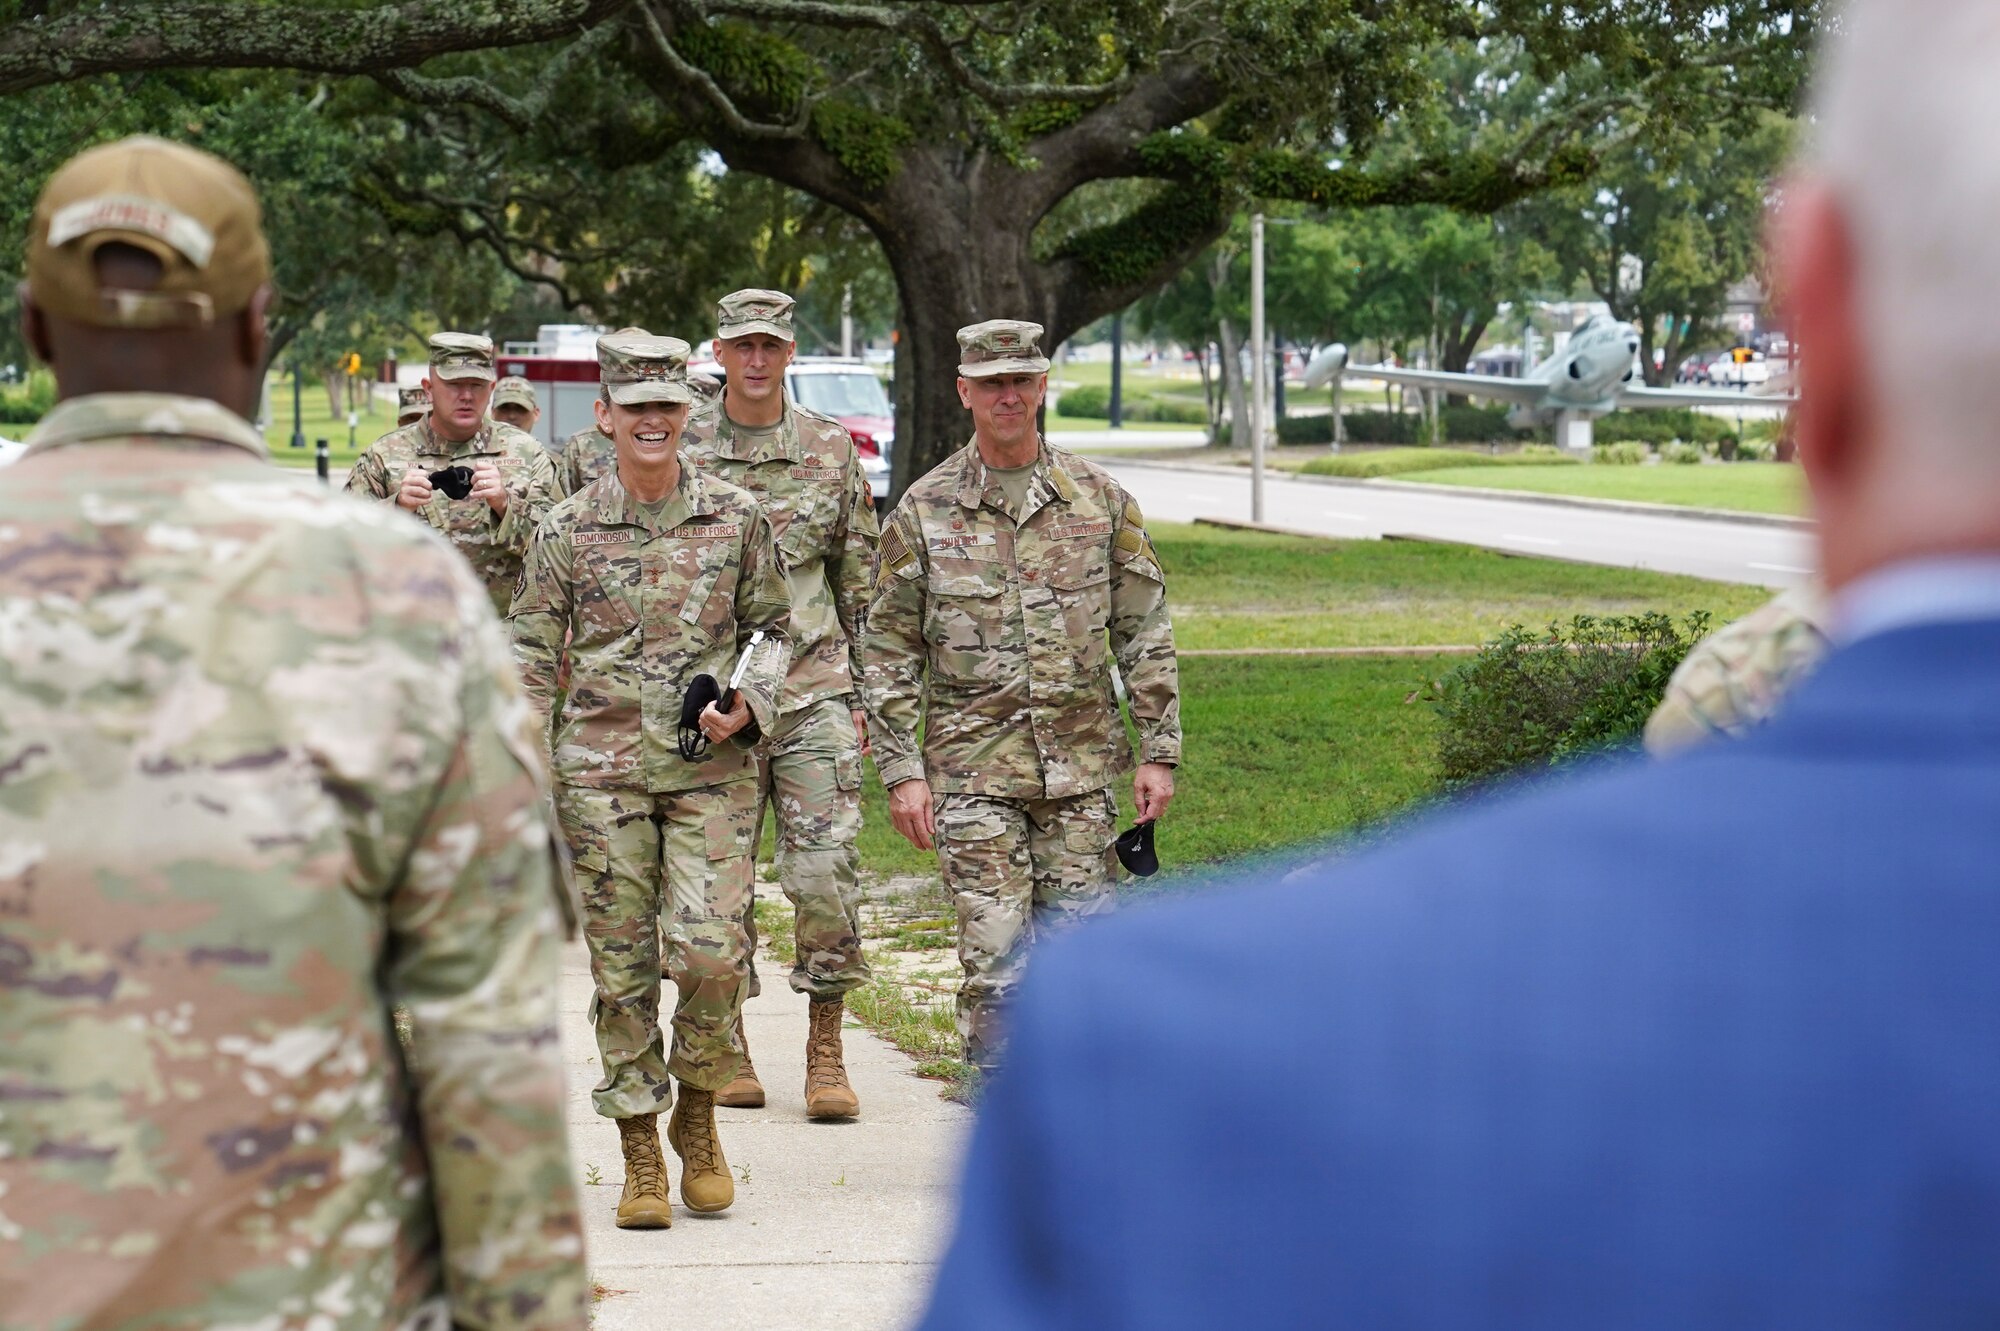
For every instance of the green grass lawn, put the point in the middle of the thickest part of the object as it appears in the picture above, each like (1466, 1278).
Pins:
(1247, 589)
(1751, 487)
(376, 421)
(1059, 424)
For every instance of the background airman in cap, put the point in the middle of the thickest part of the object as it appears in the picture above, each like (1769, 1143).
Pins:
(651, 575)
(282, 788)
(804, 469)
(412, 405)
(514, 404)
(1001, 574)
(588, 454)
(513, 482)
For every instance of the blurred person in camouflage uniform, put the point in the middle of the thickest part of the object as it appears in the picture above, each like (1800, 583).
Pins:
(1739, 675)
(265, 777)
(513, 483)
(651, 575)
(1000, 575)
(588, 454)
(514, 404)
(412, 405)
(804, 470)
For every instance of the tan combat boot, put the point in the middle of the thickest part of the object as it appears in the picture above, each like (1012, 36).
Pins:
(828, 1094)
(744, 1090)
(644, 1203)
(705, 1181)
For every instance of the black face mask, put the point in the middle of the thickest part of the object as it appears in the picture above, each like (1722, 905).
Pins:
(1135, 850)
(454, 481)
(687, 736)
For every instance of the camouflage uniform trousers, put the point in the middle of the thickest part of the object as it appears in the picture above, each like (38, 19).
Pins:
(1017, 869)
(810, 773)
(679, 864)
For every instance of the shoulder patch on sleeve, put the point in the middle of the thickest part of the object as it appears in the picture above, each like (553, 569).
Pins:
(896, 554)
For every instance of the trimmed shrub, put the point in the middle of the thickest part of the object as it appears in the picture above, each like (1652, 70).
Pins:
(1093, 402)
(1619, 455)
(1403, 461)
(1089, 401)
(1530, 700)
(1683, 455)
(27, 402)
(1755, 450)
(1661, 427)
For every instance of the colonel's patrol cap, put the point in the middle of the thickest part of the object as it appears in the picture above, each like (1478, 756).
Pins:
(514, 391)
(192, 211)
(639, 367)
(753, 310)
(462, 356)
(1001, 346)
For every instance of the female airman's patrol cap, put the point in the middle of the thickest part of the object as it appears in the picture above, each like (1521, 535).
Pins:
(1001, 346)
(639, 367)
(193, 212)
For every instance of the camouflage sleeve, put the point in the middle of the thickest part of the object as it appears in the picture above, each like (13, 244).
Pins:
(1142, 637)
(369, 476)
(1734, 679)
(850, 574)
(539, 621)
(893, 653)
(473, 958)
(763, 603)
(526, 508)
(569, 475)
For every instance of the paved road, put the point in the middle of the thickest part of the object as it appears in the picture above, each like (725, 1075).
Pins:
(1727, 551)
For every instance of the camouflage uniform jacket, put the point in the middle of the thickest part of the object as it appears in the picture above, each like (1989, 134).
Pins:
(492, 544)
(1010, 622)
(586, 455)
(647, 604)
(1735, 678)
(265, 776)
(809, 479)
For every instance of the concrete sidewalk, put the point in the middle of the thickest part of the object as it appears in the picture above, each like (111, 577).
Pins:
(837, 1224)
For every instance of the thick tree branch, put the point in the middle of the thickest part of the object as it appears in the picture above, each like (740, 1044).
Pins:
(517, 112)
(125, 37)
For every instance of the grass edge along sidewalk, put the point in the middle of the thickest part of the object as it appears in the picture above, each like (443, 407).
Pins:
(1284, 747)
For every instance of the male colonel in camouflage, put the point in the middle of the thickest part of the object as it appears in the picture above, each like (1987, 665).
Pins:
(804, 470)
(514, 404)
(1734, 679)
(512, 482)
(588, 454)
(651, 575)
(265, 776)
(1001, 573)
(412, 405)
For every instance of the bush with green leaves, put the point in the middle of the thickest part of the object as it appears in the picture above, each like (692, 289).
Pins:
(1165, 410)
(1403, 461)
(1622, 454)
(1756, 450)
(1093, 402)
(1662, 427)
(1530, 700)
(27, 402)
(1682, 455)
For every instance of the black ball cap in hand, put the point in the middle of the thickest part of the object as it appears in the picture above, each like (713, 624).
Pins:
(1135, 850)
(688, 736)
(454, 481)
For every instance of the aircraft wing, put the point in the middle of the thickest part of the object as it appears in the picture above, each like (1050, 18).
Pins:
(1658, 398)
(1527, 392)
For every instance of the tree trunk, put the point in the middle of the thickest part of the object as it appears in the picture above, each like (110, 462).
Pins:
(1207, 388)
(1232, 382)
(332, 381)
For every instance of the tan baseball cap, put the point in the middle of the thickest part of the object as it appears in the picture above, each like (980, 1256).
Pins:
(754, 310)
(462, 356)
(514, 391)
(1001, 346)
(192, 211)
(638, 367)
(412, 402)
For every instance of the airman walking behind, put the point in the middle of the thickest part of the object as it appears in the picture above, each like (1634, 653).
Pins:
(1001, 574)
(412, 405)
(514, 404)
(650, 579)
(589, 453)
(482, 483)
(265, 777)
(803, 468)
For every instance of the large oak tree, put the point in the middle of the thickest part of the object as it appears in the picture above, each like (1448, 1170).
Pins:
(968, 135)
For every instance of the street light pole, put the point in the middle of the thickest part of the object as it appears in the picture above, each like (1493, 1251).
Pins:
(1259, 366)
(298, 408)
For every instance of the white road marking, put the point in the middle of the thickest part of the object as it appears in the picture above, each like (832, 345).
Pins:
(1779, 568)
